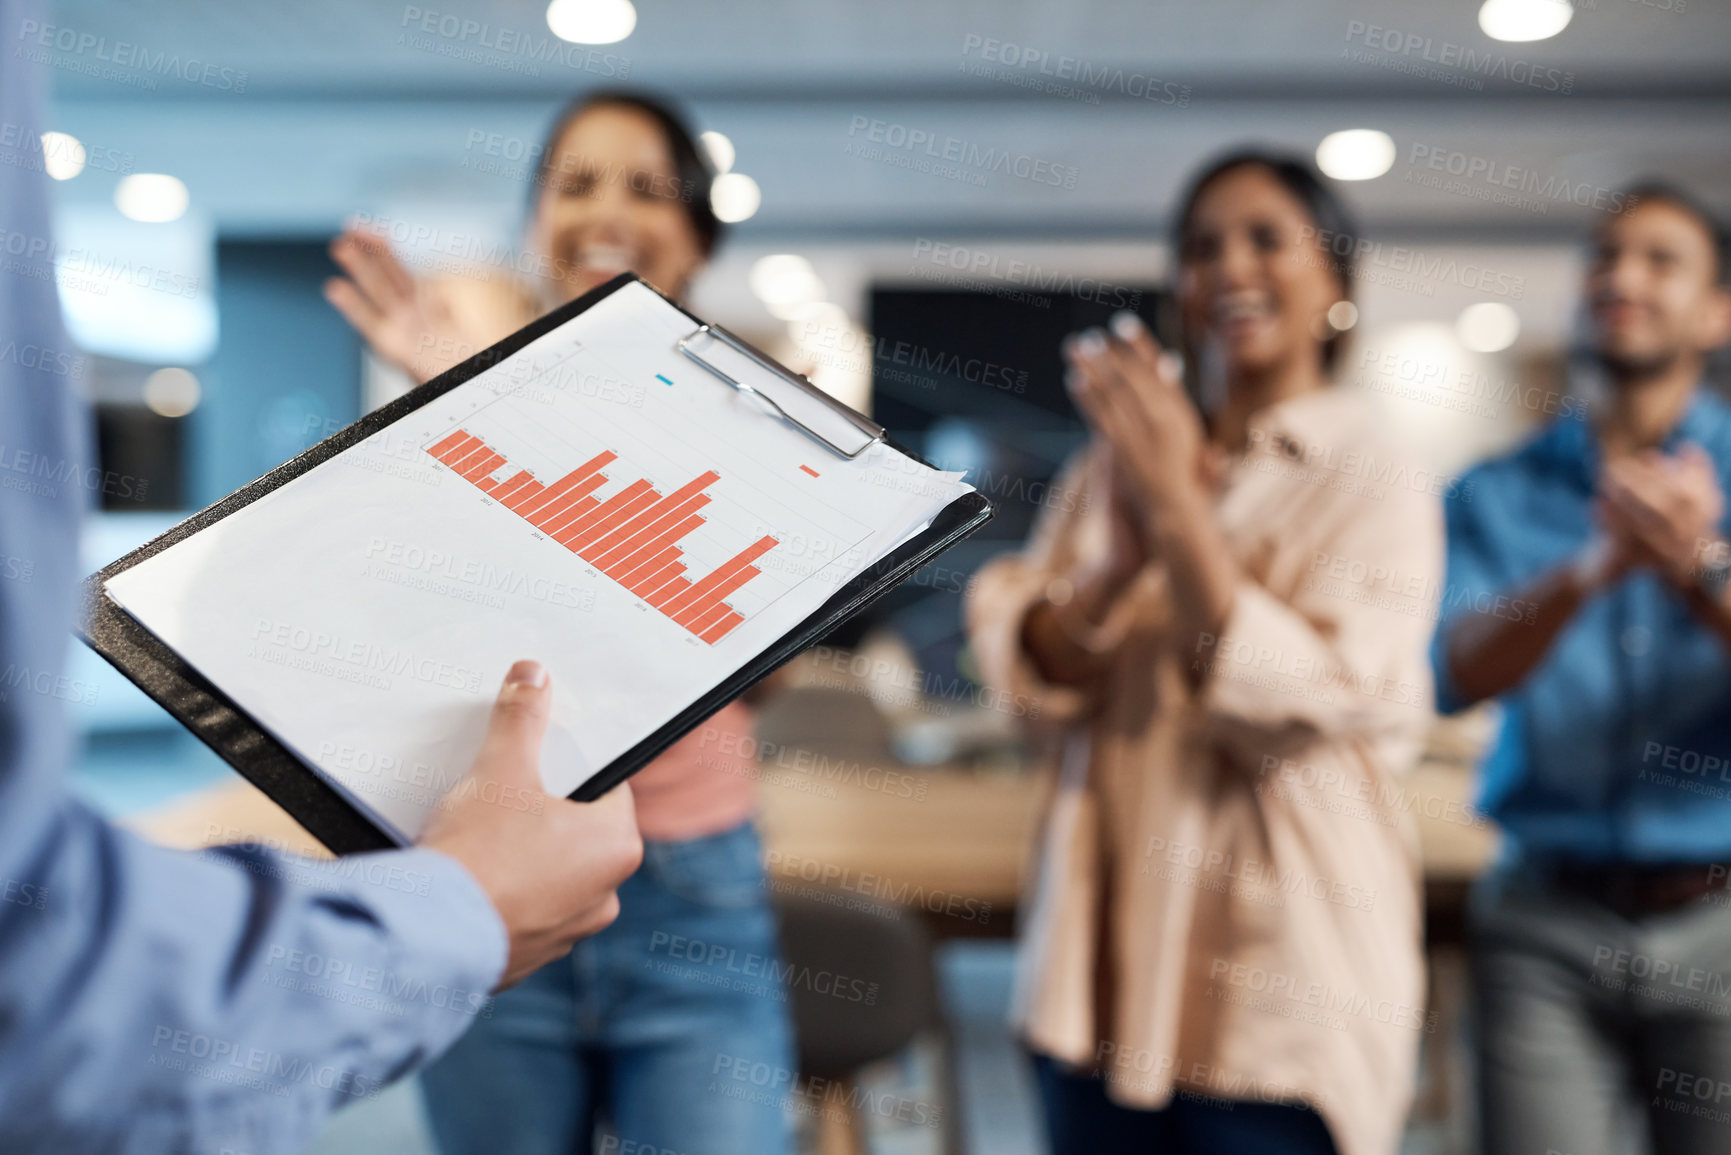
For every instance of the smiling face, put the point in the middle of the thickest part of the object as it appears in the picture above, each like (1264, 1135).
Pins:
(612, 203)
(1652, 290)
(1252, 283)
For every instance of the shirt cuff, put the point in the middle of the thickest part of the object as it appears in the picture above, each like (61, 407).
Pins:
(1448, 698)
(1266, 667)
(445, 933)
(1003, 595)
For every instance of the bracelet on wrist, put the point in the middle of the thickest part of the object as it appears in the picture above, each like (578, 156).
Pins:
(1592, 566)
(1060, 594)
(1714, 574)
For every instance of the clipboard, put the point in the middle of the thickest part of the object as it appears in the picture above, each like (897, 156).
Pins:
(269, 764)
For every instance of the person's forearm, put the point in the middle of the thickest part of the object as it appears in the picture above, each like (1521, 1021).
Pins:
(159, 959)
(1061, 635)
(1488, 654)
(1199, 566)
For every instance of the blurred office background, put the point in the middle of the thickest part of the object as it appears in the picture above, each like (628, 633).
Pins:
(213, 147)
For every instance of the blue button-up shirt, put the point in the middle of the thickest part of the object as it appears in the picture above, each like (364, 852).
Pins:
(1617, 746)
(154, 1001)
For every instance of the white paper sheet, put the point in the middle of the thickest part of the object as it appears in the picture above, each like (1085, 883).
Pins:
(366, 612)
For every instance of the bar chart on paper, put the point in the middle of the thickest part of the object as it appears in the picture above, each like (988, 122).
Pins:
(695, 541)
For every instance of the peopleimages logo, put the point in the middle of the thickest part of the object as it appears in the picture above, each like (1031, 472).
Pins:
(965, 157)
(1405, 267)
(1506, 183)
(463, 38)
(89, 53)
(979, 265)
(1038, 69)
(20, 147)
(1444, 60)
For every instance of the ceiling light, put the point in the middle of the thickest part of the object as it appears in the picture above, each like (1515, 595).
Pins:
(62, 155)
(171, 392)
(1489, 327)
(720, 150)
(1356, 154)
(591, 21)
(1523, 20)
(734, 197)
(785, 279)
(152, 197)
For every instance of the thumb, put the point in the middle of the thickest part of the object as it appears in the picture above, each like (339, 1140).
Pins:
(511, 752)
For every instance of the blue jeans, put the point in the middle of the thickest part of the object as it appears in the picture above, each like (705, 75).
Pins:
(641, 1025)
(1081, 1120)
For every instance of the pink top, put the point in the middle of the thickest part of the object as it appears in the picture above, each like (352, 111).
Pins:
(700, 785)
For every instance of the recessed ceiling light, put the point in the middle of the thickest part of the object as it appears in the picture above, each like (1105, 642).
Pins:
(785, 279)
(171, 392)
(1488, 327)
(1523, 20)
(720, 150)
(152, 197)
(591, 21)
(1356, 154)
(734, 197)
(62, 155)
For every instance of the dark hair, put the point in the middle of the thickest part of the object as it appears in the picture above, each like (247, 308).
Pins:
(1336, 233)
(690, 165)
(1719, 239)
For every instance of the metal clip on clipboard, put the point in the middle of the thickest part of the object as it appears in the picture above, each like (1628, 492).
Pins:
(802, 404)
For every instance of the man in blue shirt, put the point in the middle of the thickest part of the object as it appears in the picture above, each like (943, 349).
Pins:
(1602, 941)
(153, 1001)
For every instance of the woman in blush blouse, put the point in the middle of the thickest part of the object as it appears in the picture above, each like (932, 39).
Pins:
(1227, 634)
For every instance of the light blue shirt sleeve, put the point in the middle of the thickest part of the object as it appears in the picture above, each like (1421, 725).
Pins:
(150, 1000)
(1470, 581)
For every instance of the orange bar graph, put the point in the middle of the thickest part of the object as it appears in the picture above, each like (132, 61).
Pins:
(638, 578)
(513, 483)
(587, 544)
(661, 577)
(559, 488)
(448, 444)
(739, 561)
(720, 629)
(620, 546)
(658, 513)
(703, 621)
(482, 466)
(525, 495)
(634, 537)
(556, 515)
(706, 595)
(633, 553)
(668, 592)
(613, 511)
(460, 450)
(466, 455)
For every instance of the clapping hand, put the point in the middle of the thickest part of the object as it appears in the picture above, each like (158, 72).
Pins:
(1660, 511)
(1130, 395)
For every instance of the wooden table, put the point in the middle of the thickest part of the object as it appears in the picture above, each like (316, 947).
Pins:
(859, 817)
